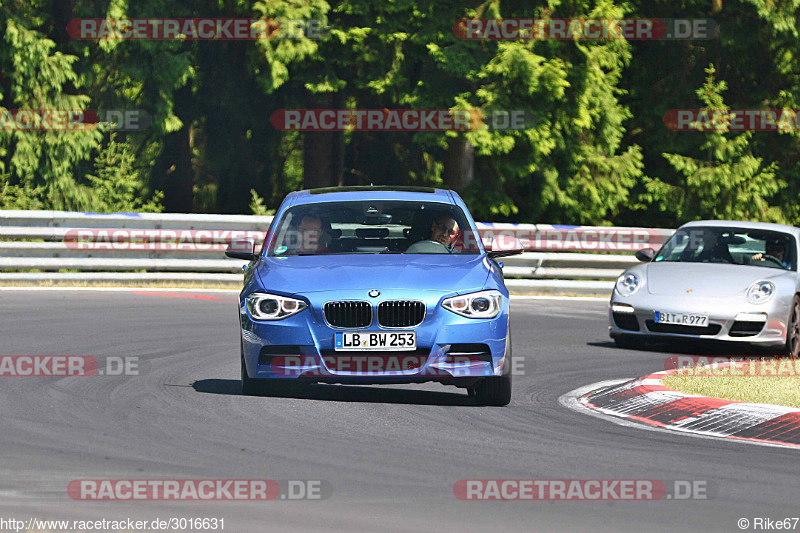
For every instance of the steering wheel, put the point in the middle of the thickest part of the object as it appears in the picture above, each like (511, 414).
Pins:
(428, 247)
(774, 259)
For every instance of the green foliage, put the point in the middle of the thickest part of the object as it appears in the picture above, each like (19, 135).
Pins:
(116, 184)
(19, 196)
(257, 206)
(598, 153)
(571, 167)
(729, 183)
(40, 163)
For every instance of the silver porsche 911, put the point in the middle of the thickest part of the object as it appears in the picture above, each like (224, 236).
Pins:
(722, 280)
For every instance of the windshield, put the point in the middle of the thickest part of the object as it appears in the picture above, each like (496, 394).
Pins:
(738, 246)
(373, 227)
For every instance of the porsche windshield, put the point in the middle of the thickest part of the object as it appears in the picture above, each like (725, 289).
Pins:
(738, 246)
(373, 227)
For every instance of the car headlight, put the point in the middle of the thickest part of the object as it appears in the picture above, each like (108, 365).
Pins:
(760, 292)
(483, 304)
(628, 283)
(263, 306)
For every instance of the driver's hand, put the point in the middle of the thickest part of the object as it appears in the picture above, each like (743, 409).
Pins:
(757, 257)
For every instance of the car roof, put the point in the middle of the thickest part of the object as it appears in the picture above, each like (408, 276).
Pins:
(381, 192)
(744, 225)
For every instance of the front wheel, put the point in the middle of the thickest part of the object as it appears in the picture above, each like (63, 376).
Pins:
(495, 390)
(250, 386)
(792, 347)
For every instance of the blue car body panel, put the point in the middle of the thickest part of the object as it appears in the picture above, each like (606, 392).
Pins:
(335, 277)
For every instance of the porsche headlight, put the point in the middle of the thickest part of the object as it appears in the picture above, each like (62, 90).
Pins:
(483, 304)
(628, 283)
(760, 292)
(263, 306)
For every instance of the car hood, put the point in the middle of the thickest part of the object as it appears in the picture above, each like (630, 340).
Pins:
(706, 279)
(441, 273)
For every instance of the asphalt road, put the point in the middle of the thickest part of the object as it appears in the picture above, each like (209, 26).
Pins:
(391, 453)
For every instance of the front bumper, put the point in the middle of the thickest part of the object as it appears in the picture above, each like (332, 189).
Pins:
(722, 318)
(450, 348)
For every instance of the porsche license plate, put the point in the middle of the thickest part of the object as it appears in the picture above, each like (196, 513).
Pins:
(386, 341)
(683, 319)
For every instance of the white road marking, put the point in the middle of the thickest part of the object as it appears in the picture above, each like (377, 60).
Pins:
(571, 401)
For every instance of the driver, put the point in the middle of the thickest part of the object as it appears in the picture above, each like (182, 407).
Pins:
(444, 230)
(775, 249)
(312, 237)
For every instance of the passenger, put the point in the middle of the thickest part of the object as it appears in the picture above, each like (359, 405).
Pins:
(714, 251)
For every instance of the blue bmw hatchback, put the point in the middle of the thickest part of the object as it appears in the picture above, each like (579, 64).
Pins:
(375, 285)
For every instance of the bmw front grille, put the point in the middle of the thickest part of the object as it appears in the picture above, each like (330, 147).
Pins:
(401, 313)
(348, 314)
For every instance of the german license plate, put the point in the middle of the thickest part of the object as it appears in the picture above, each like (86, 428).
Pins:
(364, 341)
(683, 319)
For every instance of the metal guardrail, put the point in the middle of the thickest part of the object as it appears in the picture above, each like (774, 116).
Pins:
(49, 241)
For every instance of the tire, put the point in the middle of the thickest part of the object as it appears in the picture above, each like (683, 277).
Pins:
(495, 391)
(250, 386)
(792, 347)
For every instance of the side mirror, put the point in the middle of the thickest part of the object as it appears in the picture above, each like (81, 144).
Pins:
(242, 249)
(646, 255)
(503, 246)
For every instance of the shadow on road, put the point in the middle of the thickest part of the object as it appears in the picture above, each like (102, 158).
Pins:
(341, 393)
(684, 347)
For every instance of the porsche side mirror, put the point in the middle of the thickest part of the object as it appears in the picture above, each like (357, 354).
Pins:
(646, 255)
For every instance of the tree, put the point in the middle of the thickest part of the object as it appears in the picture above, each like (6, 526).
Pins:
(117, 185)
(729, 183)
(38, 168)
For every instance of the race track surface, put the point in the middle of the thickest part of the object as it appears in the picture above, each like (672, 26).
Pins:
(391, 453)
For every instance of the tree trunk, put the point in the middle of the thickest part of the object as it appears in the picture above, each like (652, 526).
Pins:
(61, 10)
(459, 163)
(323, 152)
(173, 171)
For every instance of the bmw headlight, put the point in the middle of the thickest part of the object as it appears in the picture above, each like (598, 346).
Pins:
(264, 306)
(628, 283)
(760, 292)
(483, 304)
